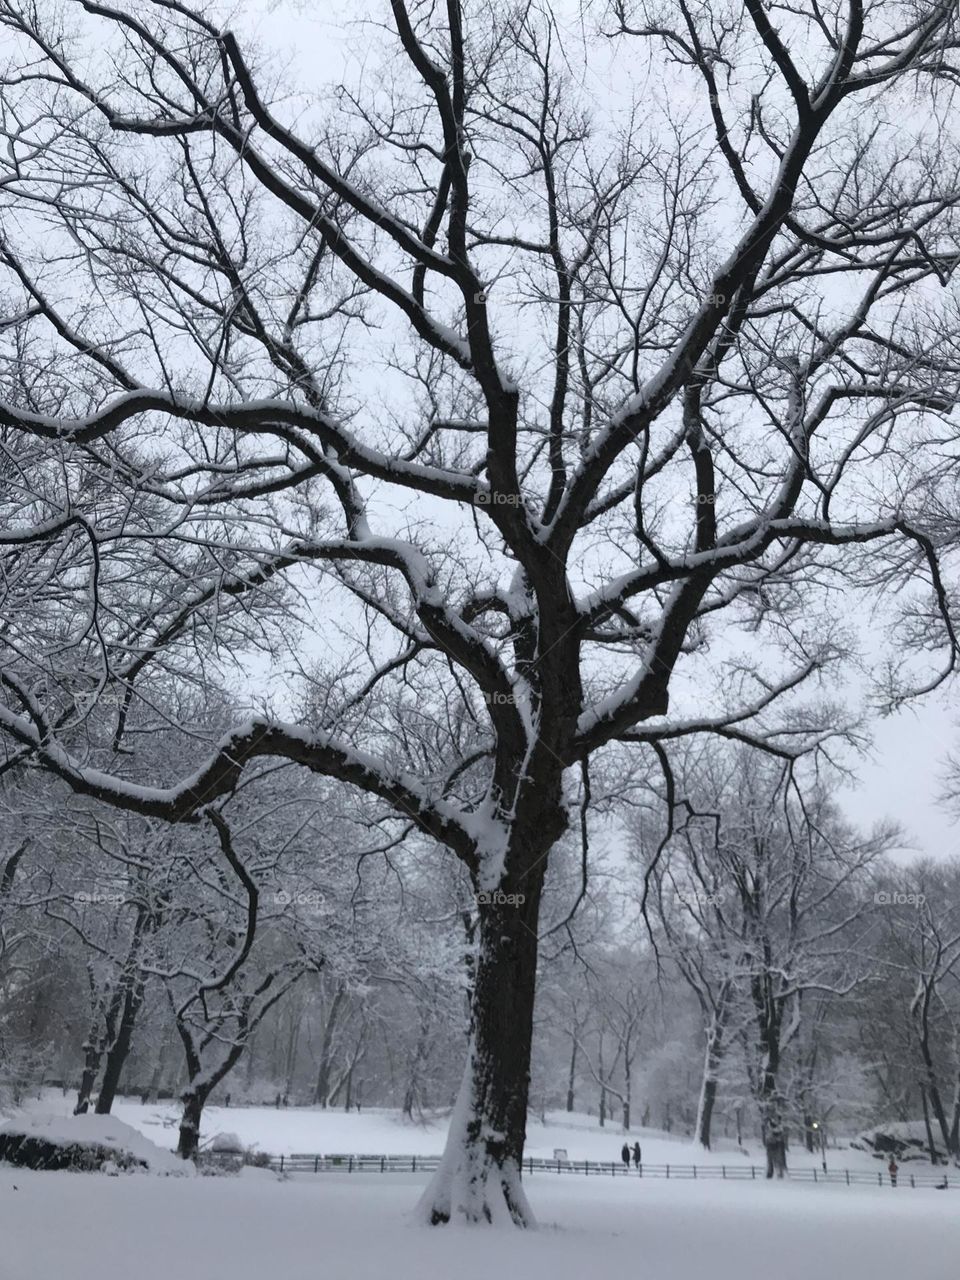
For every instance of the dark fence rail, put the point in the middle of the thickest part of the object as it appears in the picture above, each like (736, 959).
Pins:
(596, 1168)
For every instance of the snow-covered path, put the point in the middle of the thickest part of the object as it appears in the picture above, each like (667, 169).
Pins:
(92, 1227)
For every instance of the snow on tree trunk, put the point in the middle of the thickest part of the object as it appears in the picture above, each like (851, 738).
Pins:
(774, 1139)
(189, 1140)
(479, 1176)
(91, 1066)
(708, 1084)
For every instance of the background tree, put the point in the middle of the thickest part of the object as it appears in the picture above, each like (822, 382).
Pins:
(771, 906)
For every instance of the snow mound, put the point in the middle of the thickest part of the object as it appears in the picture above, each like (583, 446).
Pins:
(89, 1141)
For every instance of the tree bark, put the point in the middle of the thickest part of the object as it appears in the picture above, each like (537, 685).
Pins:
(931, 1145)
(572, 1078)
(932, 1093)
(411, 1096)
(708, 1097)
(479, 1177)
(120, 1049)
(92, 1054)
(293, 1047)
(713, 1053)
(321, 1094)
(603, 1091)
(189, 1139)
(776, 1147)
(808, 1131)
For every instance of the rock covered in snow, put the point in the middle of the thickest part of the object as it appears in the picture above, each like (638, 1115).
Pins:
(906, 1139)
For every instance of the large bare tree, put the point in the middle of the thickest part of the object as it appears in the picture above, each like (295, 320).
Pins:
(491, 416)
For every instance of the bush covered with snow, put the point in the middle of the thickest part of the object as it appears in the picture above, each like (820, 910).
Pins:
(226, 1144)
(89, 1142)
(225, 1153)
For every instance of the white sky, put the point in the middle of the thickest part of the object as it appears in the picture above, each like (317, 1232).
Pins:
(905, 776)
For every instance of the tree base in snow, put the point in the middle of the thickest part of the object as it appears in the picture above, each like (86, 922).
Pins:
(474, 1182)
(489, 1194)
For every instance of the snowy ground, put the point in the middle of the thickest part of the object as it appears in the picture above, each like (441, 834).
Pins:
(379, 1132)
(341, 1227)
(360, 1226)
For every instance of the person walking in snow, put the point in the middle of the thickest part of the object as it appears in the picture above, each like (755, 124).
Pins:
(625, 1155)
(637, 1155)
(892, 1169)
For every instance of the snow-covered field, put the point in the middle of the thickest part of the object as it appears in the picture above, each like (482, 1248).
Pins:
(360, 1226)
(379, 1132)
(342, 1227)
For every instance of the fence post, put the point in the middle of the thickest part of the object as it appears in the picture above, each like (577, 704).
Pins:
(350, 1166)
(316, 1164)
(814, 1174)
(383, 1160)
(847, 1172)
(668, 1171)
(753, 1172)
(723, 1171)
(281, 1164)
(414, 1169)
(879, 1179)
(912, 1183)
(694, 1173)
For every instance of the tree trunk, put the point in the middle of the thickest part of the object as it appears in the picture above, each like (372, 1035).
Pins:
(931, 1145)
(708, 1098)
(479, 1177)
(189, 1141)
(936, 1102)
(321, 1094)
(572, 1078)
(808, 1131)
(411, 1097)
(931, 1086)
(776, 1155)
(91, 1065)
(120, 1049)
(774, 1137)
(293, 1048)
(603, 1092)
(626, 1098)
(713, 1053)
